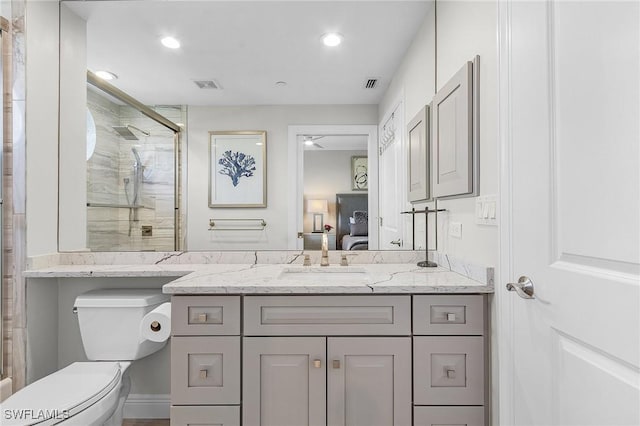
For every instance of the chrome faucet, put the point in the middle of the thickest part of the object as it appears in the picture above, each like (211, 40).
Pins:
(324, 260)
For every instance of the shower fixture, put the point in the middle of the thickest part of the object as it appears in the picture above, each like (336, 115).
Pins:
(126, 133)
(134, 199)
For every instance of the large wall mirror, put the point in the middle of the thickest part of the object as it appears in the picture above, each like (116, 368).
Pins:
(131, 182)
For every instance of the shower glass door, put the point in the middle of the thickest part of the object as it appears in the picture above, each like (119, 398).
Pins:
(131, 175)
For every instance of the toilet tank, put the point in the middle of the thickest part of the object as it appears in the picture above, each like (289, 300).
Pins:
(110, 319)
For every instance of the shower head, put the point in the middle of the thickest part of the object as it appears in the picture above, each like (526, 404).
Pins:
(126, 133)
(135, 154)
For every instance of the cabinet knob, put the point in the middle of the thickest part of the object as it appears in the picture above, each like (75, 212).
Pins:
(317, 363)
(451, 317)
(203, 374)
(451, 372)
(336, 363)
(202, 317)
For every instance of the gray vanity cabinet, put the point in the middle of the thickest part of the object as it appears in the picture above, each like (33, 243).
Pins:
(329, 360)
(449, 358)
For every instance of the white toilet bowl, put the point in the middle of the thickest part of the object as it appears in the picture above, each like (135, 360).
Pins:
(82, 394)
(91, 393)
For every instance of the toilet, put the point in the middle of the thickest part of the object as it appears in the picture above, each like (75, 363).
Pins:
(91, 393)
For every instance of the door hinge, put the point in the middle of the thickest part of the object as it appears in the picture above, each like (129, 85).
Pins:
(380, 218)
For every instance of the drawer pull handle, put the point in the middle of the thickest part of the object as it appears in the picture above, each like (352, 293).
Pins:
(317, 363)
(202, 317)
(336, 364)
(451, 373)
(451, 317)
(203, 374)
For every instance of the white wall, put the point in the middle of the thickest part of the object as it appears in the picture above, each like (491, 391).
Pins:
(327, 173)
(42, 127)
(73, 131)
(466, 29)
(275, 120)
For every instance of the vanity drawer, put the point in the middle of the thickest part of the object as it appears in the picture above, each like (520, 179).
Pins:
(327, 315)
(447, 315)
(448, 370)
(202, 415)
(205, 315)
(205, 370)
(448, 416)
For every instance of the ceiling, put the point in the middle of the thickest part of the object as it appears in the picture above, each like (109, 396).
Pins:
(248, 46)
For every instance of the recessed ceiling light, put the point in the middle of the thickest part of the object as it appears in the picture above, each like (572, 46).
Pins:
(170, 42)
(332, 39)
(106, 75)
(281, 83)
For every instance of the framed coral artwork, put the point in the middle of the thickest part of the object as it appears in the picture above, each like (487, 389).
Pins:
(237, 169)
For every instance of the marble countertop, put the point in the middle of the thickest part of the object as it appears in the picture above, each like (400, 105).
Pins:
(113, 271)
(274, 272)
(289, 279)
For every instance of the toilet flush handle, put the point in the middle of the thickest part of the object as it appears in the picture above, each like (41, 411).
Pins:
(74, 310)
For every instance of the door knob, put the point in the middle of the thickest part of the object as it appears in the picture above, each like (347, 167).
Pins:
(524, 287)
(396, 242)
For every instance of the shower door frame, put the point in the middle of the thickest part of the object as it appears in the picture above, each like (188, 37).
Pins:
(6, 85)
(113, 91)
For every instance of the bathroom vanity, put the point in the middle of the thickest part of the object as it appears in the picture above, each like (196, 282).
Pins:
(360, 345)
(258, 338)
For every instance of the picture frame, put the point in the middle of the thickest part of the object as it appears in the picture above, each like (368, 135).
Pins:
(359, 173)
(238, 169)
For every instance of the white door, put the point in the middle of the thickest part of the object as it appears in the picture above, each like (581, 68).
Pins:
(570, 113)
(392, 183)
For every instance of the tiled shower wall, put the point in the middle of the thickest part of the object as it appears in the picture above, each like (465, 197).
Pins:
(14, 186)
(113, 228)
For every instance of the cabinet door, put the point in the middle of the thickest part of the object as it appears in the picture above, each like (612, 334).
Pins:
(448, 416)
(205, 315)
(369, 381)
(284, 381)
(452, 142)
(448, 370)
(205, 370)
(204, 415)
(418, 131)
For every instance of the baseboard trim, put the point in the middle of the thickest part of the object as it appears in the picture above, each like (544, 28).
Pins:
(142, 406)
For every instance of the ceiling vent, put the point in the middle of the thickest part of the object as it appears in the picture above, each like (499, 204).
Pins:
(207, 84)
(371, 83)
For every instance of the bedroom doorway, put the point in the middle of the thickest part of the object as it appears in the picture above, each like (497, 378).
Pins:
(331, 161)
(335, 185)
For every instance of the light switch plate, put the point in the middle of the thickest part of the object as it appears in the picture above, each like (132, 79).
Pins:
(487, 210)
(455, 229)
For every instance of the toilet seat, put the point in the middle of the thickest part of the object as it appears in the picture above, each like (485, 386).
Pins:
(61, 395)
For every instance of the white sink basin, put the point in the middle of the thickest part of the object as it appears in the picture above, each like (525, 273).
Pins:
(324, 273)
